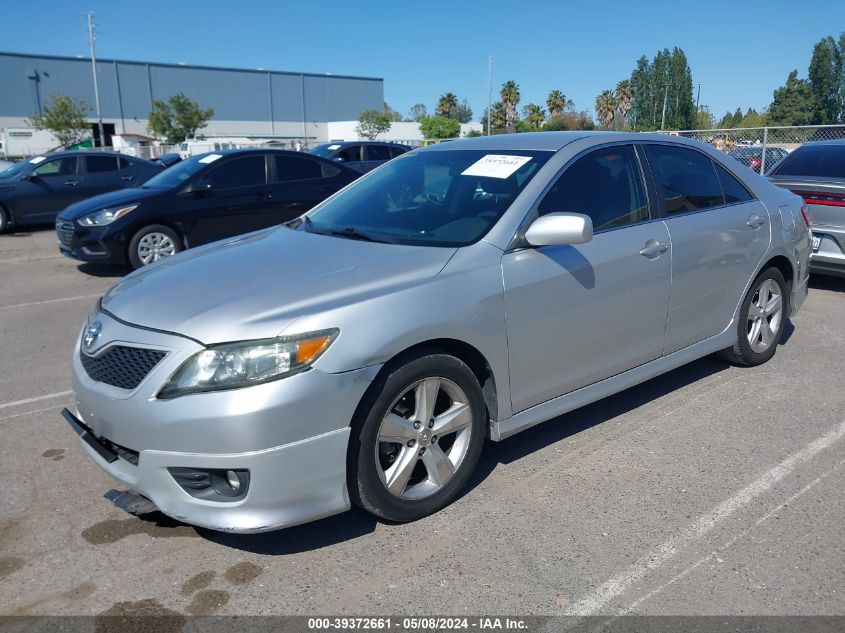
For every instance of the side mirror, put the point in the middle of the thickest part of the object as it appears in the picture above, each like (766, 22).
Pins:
(31, 176)
(199, 187)
(560, 228)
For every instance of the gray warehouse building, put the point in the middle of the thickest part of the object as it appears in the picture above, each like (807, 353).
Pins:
(246, 102)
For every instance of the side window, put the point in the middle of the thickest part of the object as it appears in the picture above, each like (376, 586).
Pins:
(377, 152)
(123, 163)
(605, 184)
(60, 167)
(239, 172)
(686, 178)
(297, 168)
(351, 154)
(96, 164)
(734, 190)
(396, 151)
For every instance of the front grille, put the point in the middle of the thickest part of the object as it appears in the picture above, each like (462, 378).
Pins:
(64, 232)
(121, 366)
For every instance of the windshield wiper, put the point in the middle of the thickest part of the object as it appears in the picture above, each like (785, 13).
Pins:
(355, 234)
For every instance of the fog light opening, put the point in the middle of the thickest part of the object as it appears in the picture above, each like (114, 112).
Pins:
(233, 480)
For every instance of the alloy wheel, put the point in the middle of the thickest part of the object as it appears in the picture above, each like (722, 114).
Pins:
(155, 246)
(764, 316)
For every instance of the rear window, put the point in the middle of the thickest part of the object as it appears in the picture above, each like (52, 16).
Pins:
(297, 168)
(734, 190)
(686, 177)
(95, 164)
(814, 161)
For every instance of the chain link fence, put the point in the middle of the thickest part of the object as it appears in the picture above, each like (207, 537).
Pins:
(761, 148)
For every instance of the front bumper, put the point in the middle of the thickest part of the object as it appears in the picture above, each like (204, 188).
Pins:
(830, 258)
(291, 435)
(89, 245)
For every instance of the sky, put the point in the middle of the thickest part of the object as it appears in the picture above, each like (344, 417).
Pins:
(738, 50)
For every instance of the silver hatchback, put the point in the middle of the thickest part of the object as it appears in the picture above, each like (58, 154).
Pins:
(364, 352)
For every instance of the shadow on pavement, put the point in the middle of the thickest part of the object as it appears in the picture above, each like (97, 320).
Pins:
(104, 270)
(827, 282)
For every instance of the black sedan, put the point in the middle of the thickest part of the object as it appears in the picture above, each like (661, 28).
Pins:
(199, 200)
(34, 190)
(361, 155)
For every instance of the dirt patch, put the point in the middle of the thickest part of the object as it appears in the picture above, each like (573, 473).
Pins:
(112, 530)
(80, 592)
(57, 454)
(197, 582)
(10, 564)
(143, 616)
(243, 573)
(207, 602)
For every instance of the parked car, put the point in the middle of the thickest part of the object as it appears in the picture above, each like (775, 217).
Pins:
(205, 198)
(361, 155)
(816, 172)
(34, 190)
(4, 165)
(366, 351)
(752, 156)
(168, 160)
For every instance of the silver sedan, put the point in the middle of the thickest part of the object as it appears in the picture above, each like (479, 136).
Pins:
(364, 352)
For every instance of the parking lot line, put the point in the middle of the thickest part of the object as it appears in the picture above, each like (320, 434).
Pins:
(594, 603)
(17, 403)
(38, 303)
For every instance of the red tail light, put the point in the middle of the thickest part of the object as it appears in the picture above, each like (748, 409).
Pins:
(807, 215)
(824, 199)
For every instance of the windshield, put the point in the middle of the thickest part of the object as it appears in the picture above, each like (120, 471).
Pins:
(815, 161)
(15, 169)
(180, 172)
(324, 151)
(435, 198)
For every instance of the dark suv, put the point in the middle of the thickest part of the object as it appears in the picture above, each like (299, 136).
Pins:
(360, 155)
(34, 190)
(199, 200)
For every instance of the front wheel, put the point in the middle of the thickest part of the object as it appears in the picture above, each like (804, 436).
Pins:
(5, 222)
(762, 319)
(153, 243)
(417, 437)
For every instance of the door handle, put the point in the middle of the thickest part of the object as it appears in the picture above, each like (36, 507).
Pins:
(755, 220)
(127, 178)
(653, 247)
(72, 183)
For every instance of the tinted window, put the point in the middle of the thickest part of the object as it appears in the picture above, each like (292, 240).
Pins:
(821, 161)
(297, 168)
(59, 167)
(605, 184)
(95, 164)
(377, 152)
(351, 154)
(686, 178)
(396, 151)
(734, 190)
(123, 163)
(239, 172)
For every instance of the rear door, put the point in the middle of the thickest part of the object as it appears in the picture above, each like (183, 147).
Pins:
(51, 186)
(719, 234)
(300, 182)
(100, 175)
(577, 314)
(352, 156)
(375, 155)
(231, 198)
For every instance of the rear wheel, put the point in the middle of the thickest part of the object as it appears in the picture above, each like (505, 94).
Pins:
(417, 437)
(153, 243)
(762, 319)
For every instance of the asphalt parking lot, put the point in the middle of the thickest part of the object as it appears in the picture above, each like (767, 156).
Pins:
(710, 490)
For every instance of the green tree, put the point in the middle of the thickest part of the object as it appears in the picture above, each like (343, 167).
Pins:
(371, 123)
(472, 134)
(447, 105)
(666, 78)
(464, 112)
(555, 102)
(605, 108)
(177, 118)
(623, 97)
(704, 119)
(498, 118)
(534, 116)
(792, 103)
(510, 98)
(440, 127)
(418, 112)
(826, 79)
(392, 114)
(65, 118)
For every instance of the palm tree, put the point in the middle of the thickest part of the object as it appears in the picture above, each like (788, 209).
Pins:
(498, 116)
(534, 115)
(447, 105)
(556, 102)
(624, 99)
(605, 108)
(510, 98)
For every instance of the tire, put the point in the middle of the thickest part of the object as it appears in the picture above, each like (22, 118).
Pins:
(153, 243)
(5, 222)
(760, 330)
(438, 467)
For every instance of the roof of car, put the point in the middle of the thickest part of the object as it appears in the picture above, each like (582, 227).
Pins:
(828, 142)
(548, 141)
(74, 152)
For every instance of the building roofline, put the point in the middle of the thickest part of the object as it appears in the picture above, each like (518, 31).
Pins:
(194, 66)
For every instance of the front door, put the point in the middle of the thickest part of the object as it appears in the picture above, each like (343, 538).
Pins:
(51, 186)
(577, 314)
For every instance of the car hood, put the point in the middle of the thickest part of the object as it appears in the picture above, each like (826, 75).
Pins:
(256, 285)
(107, 200)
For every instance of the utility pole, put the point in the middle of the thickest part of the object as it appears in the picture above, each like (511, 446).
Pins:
(665, 97)
(489, 92)
(697, 96)
(91, 40)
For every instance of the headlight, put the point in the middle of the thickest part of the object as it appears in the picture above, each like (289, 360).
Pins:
(235, 365)
(106, 216)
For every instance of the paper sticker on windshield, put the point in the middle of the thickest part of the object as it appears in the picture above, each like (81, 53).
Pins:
(496, 166)
(38, 159)
(210, 158)
(333, 146)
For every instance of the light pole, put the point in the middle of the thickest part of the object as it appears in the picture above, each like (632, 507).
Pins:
(489, 92)
(91, 39)
(665, 98)
(697, 96)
